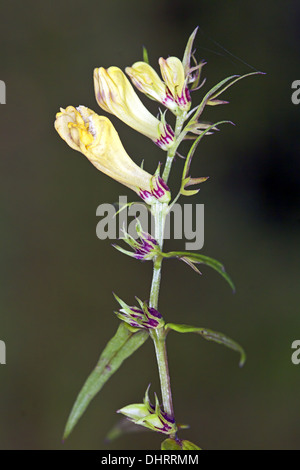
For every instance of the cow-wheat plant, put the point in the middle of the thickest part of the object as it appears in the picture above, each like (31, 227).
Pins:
(95, 137)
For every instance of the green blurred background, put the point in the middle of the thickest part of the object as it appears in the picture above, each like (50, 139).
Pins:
(57, 278)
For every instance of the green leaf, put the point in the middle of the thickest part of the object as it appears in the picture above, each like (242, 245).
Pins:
(185, 178)
(124, 206)
(197, 70)
(122, 345)
(218, 89)
(209, 95)
(188, 52)
(188, 445)
(125, 252)
(240, 77)
(190, 264)
(192, 258)
(193, 181)
(189, 192)
(210, 335)
(145, 55)
(171, 444)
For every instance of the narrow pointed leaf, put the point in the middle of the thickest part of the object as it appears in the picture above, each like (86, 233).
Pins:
(123, 344)
(190, 155)
(188, 52)
(189, 192)
(145, 55)
(201, 259)
(210, 335)
(198, 70)
(122, 250)
(212, 93)
(232, 83)
(218, 89)
(190, 264)
(213, 102)
(192, 181)
(124, 206)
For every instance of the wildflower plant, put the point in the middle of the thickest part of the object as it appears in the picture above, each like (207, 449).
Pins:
(95, 137)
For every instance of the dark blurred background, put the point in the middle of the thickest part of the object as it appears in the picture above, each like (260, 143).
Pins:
(57, 278)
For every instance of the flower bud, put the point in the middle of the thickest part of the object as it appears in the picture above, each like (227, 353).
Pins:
(145, 247)
(150, 416)
(139, 317)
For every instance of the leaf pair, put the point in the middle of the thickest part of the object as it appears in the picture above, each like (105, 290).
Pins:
(123, 344)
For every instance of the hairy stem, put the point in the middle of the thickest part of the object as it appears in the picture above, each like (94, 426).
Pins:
(158, 336)
(172, 151)
(159, 340)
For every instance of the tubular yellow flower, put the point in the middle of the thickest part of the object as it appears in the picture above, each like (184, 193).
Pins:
(173, 74)
(172, 93)
(145, 78)
(115, 95)
(97, 139)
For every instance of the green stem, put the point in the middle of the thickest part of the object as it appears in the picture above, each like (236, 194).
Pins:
(159, 212)
(158, 336)
(171, 152)
(154, 293)
(159, 339)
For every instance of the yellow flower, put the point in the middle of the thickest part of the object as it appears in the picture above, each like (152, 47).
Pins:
(172, 93)
(115, 94)
(145, 78)
(172, 72)
(97, 139)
